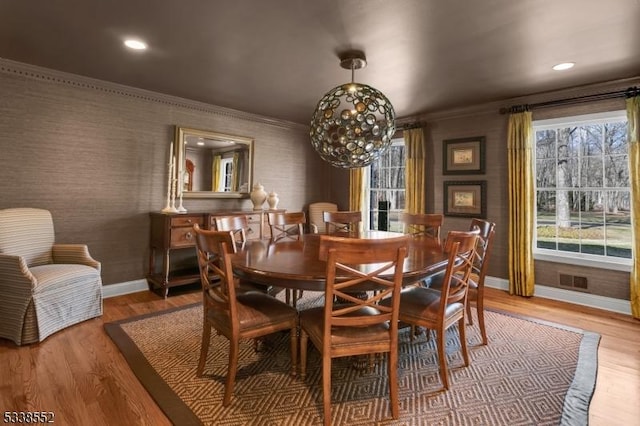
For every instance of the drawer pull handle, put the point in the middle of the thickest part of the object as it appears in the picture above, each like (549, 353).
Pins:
(188, 220)
(188, 235)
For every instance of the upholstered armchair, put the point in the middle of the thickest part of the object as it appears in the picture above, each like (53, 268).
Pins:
(316, 219)
(44, 287)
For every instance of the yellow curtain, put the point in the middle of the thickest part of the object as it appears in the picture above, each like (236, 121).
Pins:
(415, 179)
(633, 118)
(521, 204)
(356, 189)
(215, 173)
(236, 172)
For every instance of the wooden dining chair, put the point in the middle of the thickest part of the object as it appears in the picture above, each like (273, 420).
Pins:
(286, 225)
(356, 326)
(234, 315)
(478, 273)
(238, 225)
(439, 310)
(422, 224)
(341, 221)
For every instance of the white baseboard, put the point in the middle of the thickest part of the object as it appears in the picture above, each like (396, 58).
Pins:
(584, 299)
(120, 289)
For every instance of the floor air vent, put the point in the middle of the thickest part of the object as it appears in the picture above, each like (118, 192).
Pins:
(573, 281)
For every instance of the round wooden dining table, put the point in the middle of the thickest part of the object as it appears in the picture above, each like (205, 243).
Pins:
(295, 264)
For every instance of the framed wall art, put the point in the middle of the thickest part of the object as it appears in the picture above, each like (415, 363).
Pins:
(463, 156)
(465, 199)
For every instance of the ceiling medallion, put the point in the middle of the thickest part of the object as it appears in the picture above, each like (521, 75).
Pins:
(353, 123)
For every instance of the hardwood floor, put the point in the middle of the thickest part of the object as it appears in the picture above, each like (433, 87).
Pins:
(80, 376)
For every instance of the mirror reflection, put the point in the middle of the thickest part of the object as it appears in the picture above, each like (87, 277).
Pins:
(212, 165)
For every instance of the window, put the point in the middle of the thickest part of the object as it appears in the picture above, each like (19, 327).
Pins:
(583, 207)
(385, 189)
(225, 175)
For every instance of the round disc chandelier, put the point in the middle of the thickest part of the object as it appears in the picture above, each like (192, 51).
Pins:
(353, 123)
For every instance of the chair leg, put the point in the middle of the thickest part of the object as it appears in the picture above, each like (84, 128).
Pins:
(204, 347)
(231, 373)
(372, 362)
(442, 358)
(469, 316)
(294, 350)
(326, 388)
(417, 330)
(393, 384)
(463, 342)
(303, 354)
(295, 295)
(483, 329)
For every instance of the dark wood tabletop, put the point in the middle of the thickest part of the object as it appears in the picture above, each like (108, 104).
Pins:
(295, 264)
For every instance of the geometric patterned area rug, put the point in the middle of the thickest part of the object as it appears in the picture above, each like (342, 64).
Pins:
(531, 373)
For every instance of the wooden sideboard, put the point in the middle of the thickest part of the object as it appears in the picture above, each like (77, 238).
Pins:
(172, 237)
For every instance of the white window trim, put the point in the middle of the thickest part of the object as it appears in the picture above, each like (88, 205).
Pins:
(222, 173)
(366, 222)
(366, 200)
(600, 117)
(571, 258)
(581, 259)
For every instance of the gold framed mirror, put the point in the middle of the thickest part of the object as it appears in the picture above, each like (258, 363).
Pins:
(213, 165)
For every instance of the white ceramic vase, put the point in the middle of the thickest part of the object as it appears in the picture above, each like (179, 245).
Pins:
(258, 196)
(273, 200)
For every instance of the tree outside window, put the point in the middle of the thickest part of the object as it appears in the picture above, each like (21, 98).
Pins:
(386, 188)
(582, 186)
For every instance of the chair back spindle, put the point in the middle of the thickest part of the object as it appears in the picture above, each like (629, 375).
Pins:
(237, 224)
(286, 225)
(342, 221)
(422, 224)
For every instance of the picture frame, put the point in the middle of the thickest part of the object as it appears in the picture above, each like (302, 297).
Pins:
(463, 156)
(465, 199)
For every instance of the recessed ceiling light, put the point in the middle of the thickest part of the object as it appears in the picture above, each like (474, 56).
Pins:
(135, 44)
(563, 66)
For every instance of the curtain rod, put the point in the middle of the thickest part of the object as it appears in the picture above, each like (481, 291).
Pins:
(409, 126)
(628, 93)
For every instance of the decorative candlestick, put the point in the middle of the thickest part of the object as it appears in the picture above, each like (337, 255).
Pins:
(173, 185)
(170, 207)
(181, 208)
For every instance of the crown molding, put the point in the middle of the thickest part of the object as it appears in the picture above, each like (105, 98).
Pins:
(11, 67)
(48, 75)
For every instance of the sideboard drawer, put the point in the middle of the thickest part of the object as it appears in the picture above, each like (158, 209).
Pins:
(180, 221)
(255, 222)
(253, 230)
(254, 218)
(182, 237)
